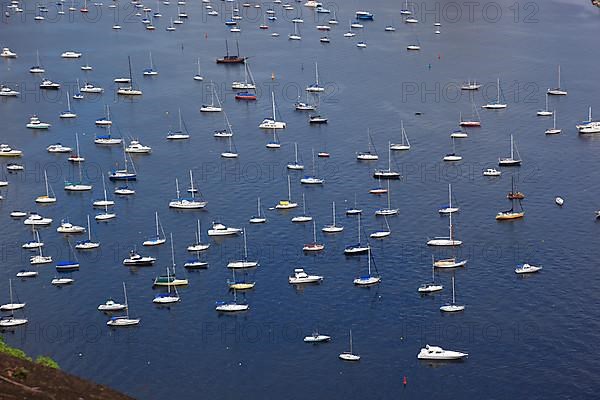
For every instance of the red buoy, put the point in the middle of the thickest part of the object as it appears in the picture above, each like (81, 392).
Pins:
(404, 380)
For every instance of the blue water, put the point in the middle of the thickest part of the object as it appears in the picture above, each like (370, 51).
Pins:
(526, 337)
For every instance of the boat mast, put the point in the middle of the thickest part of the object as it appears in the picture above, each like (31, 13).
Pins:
(46, 180)
(498, 91)
(156, 219)
(450, 196)
(126, 304)
(511, 148)
(245, 245)
(333, 210)
(191, 184)
(273, 101)
(177, 187)
(289, 190)
(316, 73)
(89, 229)
(453, 296)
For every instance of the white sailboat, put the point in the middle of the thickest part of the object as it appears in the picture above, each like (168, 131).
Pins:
(124, 320)
(383, 233)
(272, 123)
(389, 210)
(129, 90)
(199, 245)
(49, 197)
(589, 126)
(105, 216)
(388, 173)
(452, 156)
(11, 306)
(545, 112)
(104, 202)
(150, 71)
(497, 105)
(77, 186)
(432, 286)
(167, 298)
(369, 279)
(190, 203)
(198, 76)
(358, 248)
(557, 91)
(212, 107)
(296, 165)
(511, 161)
(446, 241)
(333, 228)
(312, 179)
(76, 158)
(181, 133)
(371, 153)
(349, 355)
(287, 204)
(231, 306)
(157, 239)
(448, 209)
(105, 120)
(315, 87)
(245, 85)
(405, 144)
(170, 279)
(452, 307)
(243, 263)
(554, 130)
(68, 113)
(259, 218)
(303, 217)
(87, 244)
(231, 152)
(295, 35)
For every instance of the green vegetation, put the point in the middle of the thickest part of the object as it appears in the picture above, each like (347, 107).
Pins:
(18, 353)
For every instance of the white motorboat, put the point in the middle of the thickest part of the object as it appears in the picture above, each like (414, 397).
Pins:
(437, 353)
(35, 123)
(27, 274)
(67, 227)
(316, 337)
(470, 85)
(301, 277)
(491, 172)
(219, 229)
(37, 219)
(110, 306)
(7, 151)
(5, 91)
(137, 148)
(559, 201)
(589, 126)
(70, 54)
(527, 269)
(58, 148)
(49, 85)
(8, 53)
(62, 281)
(136, 259)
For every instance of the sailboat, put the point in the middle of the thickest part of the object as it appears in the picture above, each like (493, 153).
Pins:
(68, 113)
(156, 240)
(68, 265)
(123, 174)
(243, 263)
(303, 217)
(78, 186)
(37, 68)
(315, 87)
(405, 144)
(123, 320)
(452, 156)
(87, 244)
(389, 210)
(406, 10)
(312, 179)
(452, 307)
(432, 286)
(512, 213)
(511, 161)
(231, 59)
(383, 233)
(150, 71)
(304, 106)
(589, 126)
(473, 122)
(77, 156)
(107, 139)
(333, 228)
(35, 243)
(448, 209)
(369, 279)
(388, 173)
(245, 85)
(231, 306)
(11, 306)
(47, 198)
(274, 144)
(212, 107)
(446, 241)
(167, 298)
(545, 112)
(11, 321)
(170, 279)
(371, 153)
(231, 151)
(198, 246)
(187, 203)
(314, 245)
(181, 133)
(349, 355)
(129, 90)
(105, 121)
(557, 91)
(358, 248)
(239, 284)
(553, 130)
(286, 204)
(295, 35)
(296, 165)
(514, 194)
(198, 77)
(353, 210)
(272, 123)
(495, 105)
(259, 218)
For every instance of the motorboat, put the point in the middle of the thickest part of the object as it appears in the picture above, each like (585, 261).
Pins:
(70, 54)
(58, 148)
(527, 269)
(316, 337)
(67, 227)
(35, 123)
(437, 353)
(219, 229)
(7, 151)
(5, 91)
(49, 85)
(301, 277)
(36, 219)
(137, 259)
(491, 172)
(8, 53)
(110, 306)
(136, 147)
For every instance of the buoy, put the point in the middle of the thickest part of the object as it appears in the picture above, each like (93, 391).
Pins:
(404, 381)
(272, 76)
(205, 35)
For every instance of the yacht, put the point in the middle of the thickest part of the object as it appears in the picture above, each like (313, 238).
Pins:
(90, 88)
(437, 353)
(35, 123)
(527, 269)
(62, 281)
(589, 126)
(70, 54)
(7, 53)
(5, 91)
(301, 277)
(67, 227)
(491, 172)
(58, 148)
(316, 337)
(110, 306)
(470, 85)
(219, 229)
(7, 151)
(138, 260)
(49, 85)
(136, 147)
(36, 219)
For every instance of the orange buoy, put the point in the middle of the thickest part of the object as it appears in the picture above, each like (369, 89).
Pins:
(272, 76)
